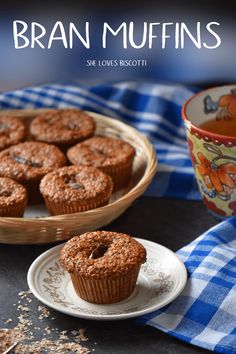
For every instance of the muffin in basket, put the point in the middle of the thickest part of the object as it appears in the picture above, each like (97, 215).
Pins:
(112, 156)
(103, 265)
(13, 198)
(12, 131)
(62, 127)
(74, 189)
(28, 162)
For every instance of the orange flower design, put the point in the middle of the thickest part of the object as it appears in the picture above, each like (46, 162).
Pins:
(229, 103)
(192, 156)
(222, 178)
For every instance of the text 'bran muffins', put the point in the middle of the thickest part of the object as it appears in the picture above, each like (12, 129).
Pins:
(28, 162)
(13, 198)
(112, 156)
(62, 127)
(74, 189)
(103, 265)
(12, 131)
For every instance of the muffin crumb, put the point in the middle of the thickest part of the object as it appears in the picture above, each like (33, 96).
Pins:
(26, 334)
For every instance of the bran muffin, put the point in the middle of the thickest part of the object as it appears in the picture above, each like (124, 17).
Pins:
(74, 189)
(13, 198)
(103, 265)
(112, 156)
(12, 131)
(28, 162)
(62, 127)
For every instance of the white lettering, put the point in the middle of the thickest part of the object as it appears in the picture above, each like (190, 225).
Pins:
(73, 29)
(184, 29)
(131, 36)
(151, 35)
(35, 38)
(106, 28)
(218, 40)
(164, 35)
(17, 35)
(62, 37)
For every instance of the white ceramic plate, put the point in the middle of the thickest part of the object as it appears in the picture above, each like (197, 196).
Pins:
(161, 279)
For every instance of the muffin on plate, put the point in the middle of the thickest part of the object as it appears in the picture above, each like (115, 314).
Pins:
(62, 127)
(103, 265)
(13, 198)
(28, 162)
(112, 156)
(12, 131)
(74, 189)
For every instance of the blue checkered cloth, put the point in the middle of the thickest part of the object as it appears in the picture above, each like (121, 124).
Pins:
(205, 313)
(154, 109)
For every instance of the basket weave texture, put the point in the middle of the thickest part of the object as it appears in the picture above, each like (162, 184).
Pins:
(62, 227)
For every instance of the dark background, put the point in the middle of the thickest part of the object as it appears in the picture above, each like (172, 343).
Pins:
(22, 67)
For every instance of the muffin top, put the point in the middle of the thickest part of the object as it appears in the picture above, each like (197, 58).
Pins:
(11, 192)
(101, 151)
(30, 160)
(76, 183)
(62, 126)
(102, 254)
(12, 131)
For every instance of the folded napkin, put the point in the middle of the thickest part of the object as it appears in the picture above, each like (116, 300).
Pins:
(205, 313)
(154, 109)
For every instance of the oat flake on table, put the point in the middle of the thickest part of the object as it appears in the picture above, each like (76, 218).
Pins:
(66, 341)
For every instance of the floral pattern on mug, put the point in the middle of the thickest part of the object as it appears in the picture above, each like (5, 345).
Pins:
(213, 155)
(192, 156)
(218, 177)
(215, 170)
(225, 106)
(221, 178)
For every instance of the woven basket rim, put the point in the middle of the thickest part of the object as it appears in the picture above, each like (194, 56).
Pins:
(127, 198)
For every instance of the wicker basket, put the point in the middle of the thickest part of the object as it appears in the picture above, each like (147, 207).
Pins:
(56, 228)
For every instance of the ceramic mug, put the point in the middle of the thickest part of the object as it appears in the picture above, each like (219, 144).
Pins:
(213, 155)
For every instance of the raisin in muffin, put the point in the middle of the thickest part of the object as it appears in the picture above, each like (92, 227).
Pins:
(28, 162)
(12, 131)
(112, 156)
(74, 189)
(103, 265)
(62, 127)
(13, 198)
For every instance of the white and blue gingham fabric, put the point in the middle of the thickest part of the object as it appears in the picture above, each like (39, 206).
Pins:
(205, 313)
(154, 109)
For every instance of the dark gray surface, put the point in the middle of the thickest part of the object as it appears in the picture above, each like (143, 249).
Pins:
(172, 223)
